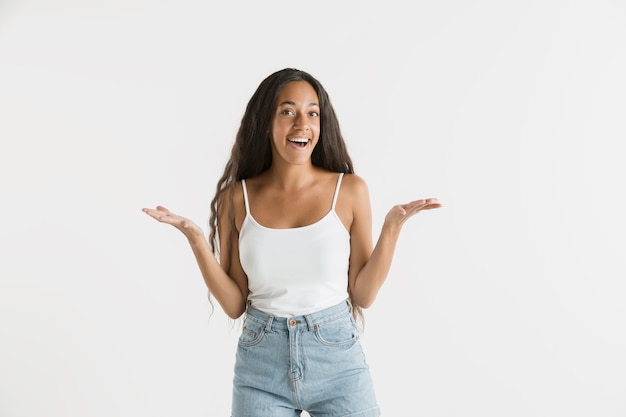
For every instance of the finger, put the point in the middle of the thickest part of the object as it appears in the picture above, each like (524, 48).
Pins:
(424, 202)
(153, 213)
(416, 206)
(160, 215)
(432, 206)
(149, 211)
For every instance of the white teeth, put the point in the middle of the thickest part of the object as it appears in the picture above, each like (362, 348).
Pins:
(299, 140)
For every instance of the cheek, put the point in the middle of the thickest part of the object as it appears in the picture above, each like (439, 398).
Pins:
(317, 129)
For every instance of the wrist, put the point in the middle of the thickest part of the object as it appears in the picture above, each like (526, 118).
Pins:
(391, 228)
(196, 239)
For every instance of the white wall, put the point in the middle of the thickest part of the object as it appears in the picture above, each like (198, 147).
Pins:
(509, 301)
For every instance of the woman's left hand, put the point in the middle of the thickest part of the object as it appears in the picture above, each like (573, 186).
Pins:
(402, 212)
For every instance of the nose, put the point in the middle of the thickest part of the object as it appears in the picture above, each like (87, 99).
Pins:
(300, 122)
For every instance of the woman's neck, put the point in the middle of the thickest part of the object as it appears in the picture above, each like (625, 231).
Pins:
(292, 177)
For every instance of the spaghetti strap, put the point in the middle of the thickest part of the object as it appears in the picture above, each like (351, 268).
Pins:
(245, 197)
(337, 190)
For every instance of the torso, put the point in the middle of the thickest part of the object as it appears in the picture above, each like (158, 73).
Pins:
(296, 255)
(273, 208)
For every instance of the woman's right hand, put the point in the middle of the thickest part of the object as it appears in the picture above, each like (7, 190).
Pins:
(191, 230)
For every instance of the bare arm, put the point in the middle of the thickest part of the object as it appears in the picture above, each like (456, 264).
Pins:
(369, 267)
(226, 283)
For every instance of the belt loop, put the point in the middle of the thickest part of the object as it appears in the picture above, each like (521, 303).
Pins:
(309, 322)
(268, 325)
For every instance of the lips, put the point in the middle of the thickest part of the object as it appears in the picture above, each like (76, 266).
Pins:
(299, 142)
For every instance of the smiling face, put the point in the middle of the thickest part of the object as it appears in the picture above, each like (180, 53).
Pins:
(295, 126)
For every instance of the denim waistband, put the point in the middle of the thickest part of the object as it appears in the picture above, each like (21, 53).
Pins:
(308, 321)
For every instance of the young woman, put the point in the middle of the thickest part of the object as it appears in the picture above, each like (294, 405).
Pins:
(291, 226)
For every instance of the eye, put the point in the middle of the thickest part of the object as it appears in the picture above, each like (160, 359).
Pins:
(314, 114)
(287, 112)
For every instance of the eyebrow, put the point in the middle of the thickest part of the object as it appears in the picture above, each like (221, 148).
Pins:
(291, 103)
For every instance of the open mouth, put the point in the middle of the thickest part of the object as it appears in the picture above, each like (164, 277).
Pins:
(299, 142)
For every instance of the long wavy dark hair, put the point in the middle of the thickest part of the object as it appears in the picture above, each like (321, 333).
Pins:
(252, 151)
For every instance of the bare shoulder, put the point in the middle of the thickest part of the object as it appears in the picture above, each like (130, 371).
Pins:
(234, 201)
(355, 187)
(353, 202)
(228, 196)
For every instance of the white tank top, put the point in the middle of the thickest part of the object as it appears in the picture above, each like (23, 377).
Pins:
(297, 271)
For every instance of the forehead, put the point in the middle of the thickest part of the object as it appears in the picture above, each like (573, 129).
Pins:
(298, 92)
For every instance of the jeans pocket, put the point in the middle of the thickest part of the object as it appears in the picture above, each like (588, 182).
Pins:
(338, 332)
(251, 333)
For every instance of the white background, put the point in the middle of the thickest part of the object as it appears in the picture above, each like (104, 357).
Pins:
(509, 301)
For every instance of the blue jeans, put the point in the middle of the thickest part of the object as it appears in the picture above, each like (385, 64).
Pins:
(312, 362)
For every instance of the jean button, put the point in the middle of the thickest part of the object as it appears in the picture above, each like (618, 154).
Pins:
(292, 322)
